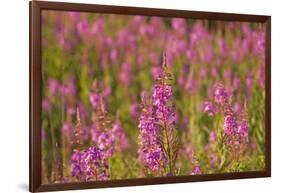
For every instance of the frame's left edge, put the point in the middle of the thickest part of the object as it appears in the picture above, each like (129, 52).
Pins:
(34, 96)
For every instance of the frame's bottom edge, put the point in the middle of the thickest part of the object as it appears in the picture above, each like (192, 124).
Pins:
(151, 181)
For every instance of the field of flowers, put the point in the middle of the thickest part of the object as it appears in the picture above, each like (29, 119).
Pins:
(134, 96)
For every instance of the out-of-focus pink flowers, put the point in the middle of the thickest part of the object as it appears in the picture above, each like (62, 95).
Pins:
(122, 142)
(54, 86)
(46, 105)
(95, 99)
(69, 88)
(135, 110)
(83, 28)
(210, 108)
(179, 25)
(125, 74)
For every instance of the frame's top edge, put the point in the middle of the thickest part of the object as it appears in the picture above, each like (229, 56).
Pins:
(117, 9)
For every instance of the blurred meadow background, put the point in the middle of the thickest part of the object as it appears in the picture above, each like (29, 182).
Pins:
(100, 118)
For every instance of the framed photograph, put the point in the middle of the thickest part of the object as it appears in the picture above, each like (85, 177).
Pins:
(125, 96)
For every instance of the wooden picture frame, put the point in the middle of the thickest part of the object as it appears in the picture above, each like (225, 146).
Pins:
(36, 8)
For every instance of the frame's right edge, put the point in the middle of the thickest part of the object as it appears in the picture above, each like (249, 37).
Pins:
(268, 98)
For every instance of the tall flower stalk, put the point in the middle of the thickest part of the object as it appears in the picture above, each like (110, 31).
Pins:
(88, 164)
(76, 141)
(157, 125)
(102, 134)
(235, 127)
(102, 131)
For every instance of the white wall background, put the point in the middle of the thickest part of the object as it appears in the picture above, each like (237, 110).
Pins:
(14, 95)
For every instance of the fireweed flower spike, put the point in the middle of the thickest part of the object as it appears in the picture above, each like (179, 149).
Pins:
(105, 138)
(166, 115)
(157, 124)
(102, 132)
(76, 158)
(235, 129)
(194, 163)
(89, 164)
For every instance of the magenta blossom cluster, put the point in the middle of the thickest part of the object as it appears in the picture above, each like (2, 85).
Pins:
(151, 153)
(112, 140)
(196, 170)
(104, 140)
(158, 139)
(101, 130)
(109, 137)
(89, 164)
(235, 128)
(161, 96)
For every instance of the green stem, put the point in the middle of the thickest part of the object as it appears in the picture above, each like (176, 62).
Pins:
(166, 130)
(168, 149)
